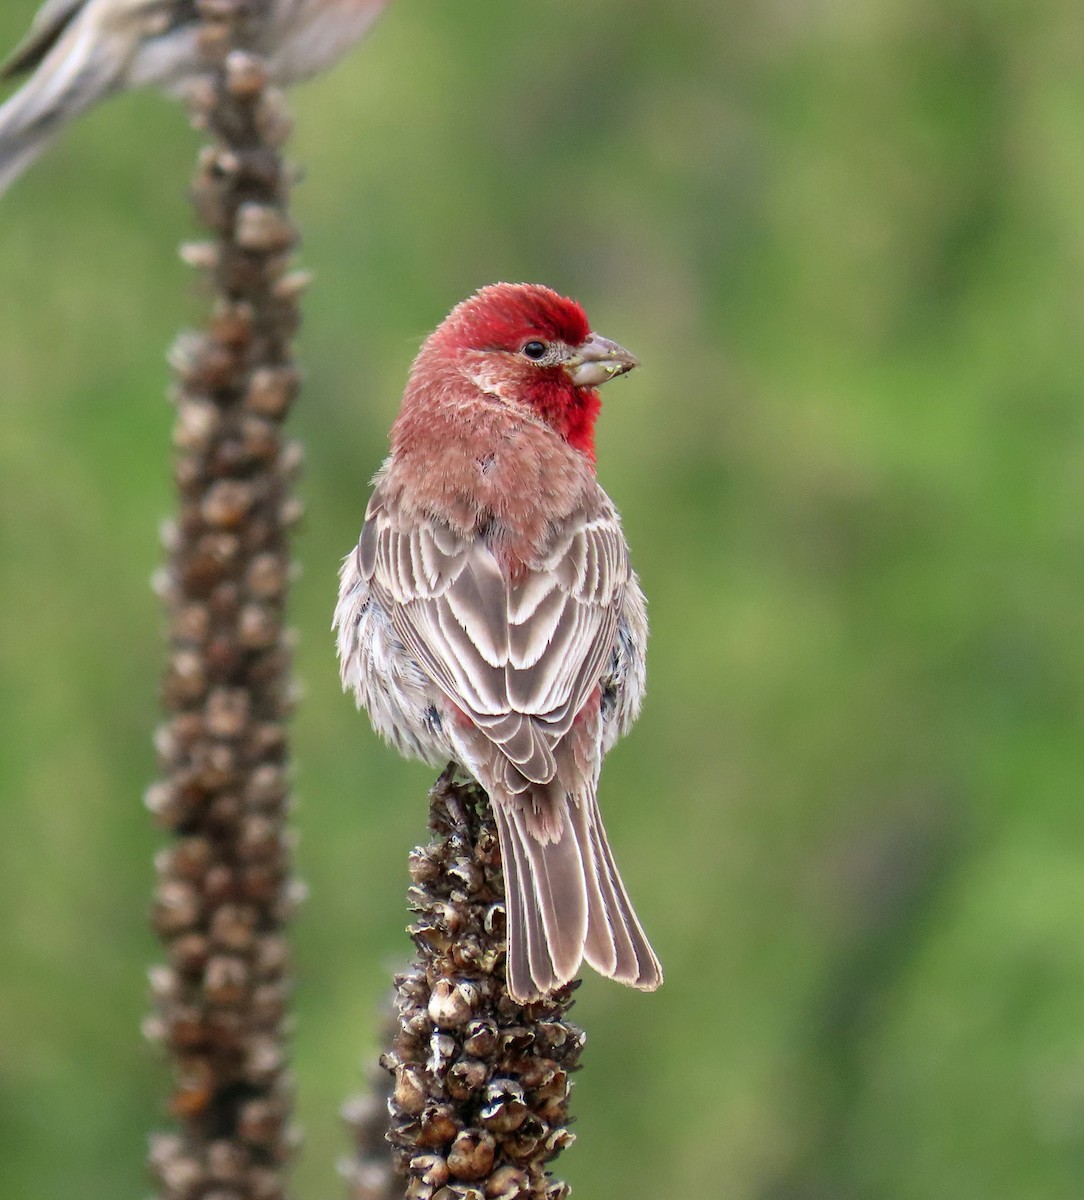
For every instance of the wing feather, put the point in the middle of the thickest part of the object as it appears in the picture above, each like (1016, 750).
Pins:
(519, 657)
(531, 634)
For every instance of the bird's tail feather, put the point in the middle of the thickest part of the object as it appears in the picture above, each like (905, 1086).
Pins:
(616, 943)
(545, 902)
(565, 902)
(74, 75)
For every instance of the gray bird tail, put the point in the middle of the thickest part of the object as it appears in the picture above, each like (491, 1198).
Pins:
(565, 901)
(73, 76)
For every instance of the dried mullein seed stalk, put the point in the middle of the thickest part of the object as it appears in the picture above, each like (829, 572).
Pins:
(225, 887)
(480, 1084)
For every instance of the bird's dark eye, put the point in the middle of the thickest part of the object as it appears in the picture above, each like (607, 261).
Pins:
(535, 350)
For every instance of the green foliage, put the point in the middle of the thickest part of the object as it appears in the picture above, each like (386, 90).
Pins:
(845, 241)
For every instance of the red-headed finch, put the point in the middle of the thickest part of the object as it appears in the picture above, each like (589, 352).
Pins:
(489, 615)
(80, 51)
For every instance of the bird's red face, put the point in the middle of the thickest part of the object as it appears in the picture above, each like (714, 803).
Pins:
(532, 348)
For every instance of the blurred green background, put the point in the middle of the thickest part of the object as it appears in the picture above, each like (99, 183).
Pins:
(847, 242)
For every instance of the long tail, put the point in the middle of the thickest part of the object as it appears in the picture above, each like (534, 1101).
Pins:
(78, 71)
(565, 901)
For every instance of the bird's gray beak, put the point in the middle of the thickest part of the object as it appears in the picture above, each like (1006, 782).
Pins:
(598, 360)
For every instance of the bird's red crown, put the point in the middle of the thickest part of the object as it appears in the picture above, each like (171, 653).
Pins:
(503, 316)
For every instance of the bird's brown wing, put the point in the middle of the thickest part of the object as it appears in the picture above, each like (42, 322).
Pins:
(519, 658)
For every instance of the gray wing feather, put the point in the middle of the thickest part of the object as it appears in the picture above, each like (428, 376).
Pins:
(521, 658)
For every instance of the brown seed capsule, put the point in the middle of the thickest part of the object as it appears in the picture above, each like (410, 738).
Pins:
(271, 391)
(168, 805)
(259, 439)
(472, 1154)
(267, 787)
(416, 1189)
(225, 600)
(227, 1162)
(188, 473)
(203, 256)
(558, 1140)
(452, 1004)
(264, 1183)
(263, 228)
(266, 576)
(555, 1032)
(430, 1168)
(225, 810)
(186, 1028)
(291, 460)
(272, 956)
(246, 74)
(186, 729)
(266, 740)
(227, 712)
(231, 323)
(186, 353)
(468, 954)
(225, 980)
(261, 1122)
(177, 907)
(268, 1004)
(188, 953)
(536, 1071)
(423, 869)
(262, 884)
(465, 1078)
(220, 883)
(481, 1038)
(291, 511)
(227, 502)
(429, 936)
(186, 680)
(181, 1175)
(232, 927)
(260, 839)
(264, 1058)
(292, 286)
(187, 859)
(506, 1183)
(198, 421)
(438, 1126)
(416, 1024)
(411, 984)
(257, 627)
(191, 623)
(494, 921)
(468, 875)
(409, 1094)
(165, 985)
(505, 1107)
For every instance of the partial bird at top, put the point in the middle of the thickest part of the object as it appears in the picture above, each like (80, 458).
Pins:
(80, 51)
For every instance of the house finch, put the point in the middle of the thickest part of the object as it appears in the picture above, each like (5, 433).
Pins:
(83, 50)
(489, 615)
